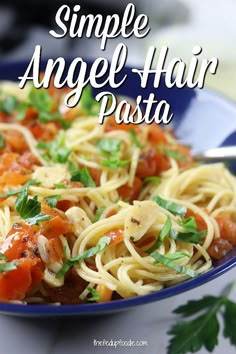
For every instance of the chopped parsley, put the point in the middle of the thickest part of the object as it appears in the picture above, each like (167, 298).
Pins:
(114, 163)
(163, 233)
(81, 175)
(109, 146)
(98, 214)
(2, 141)
(3, 257)
(95, 295)
(55, 150)
(168, 262)
(29, 209)
(84, 177)
(52, 200)
(8, 104)
(102, 243)
(192, 235)
(6, 267)
(172, 207)
(60, 186)
(152, 179)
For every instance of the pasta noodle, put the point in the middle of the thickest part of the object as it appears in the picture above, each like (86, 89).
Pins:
(91, 213)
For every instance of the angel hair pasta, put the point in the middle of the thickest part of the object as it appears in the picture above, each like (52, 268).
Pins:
(94, 213)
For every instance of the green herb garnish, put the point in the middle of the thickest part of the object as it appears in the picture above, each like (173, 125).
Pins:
(172, 207)
(102, 243)
(2, 142)
(52, 200)
(29, 209)
(6, 267)
(55, 150)
(83, 176)
(202, 330)
(165, 260)
(3, 257)
(152, 179)
(8, 104)
(114, 163)
(98, 214)
(163, 233)
(95, 295)
(176, 255)
(192, 235)
(109, 146)
(60, 186)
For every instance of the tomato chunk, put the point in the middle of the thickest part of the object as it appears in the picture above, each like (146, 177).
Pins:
(156, 135)
(16, 283)
(104, 293)
(227, 228)
(20, 242)
(130, 193)
(152, 163)
(219, 248)
(116, 236)
(57, 225)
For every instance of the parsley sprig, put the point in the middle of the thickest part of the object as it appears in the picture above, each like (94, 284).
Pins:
(203, 328)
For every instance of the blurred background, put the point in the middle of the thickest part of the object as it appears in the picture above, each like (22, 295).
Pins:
(179, 24)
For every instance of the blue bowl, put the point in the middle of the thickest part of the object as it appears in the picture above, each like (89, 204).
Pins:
(197, 114)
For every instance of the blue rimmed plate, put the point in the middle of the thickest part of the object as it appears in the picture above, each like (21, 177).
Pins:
(201, 118)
